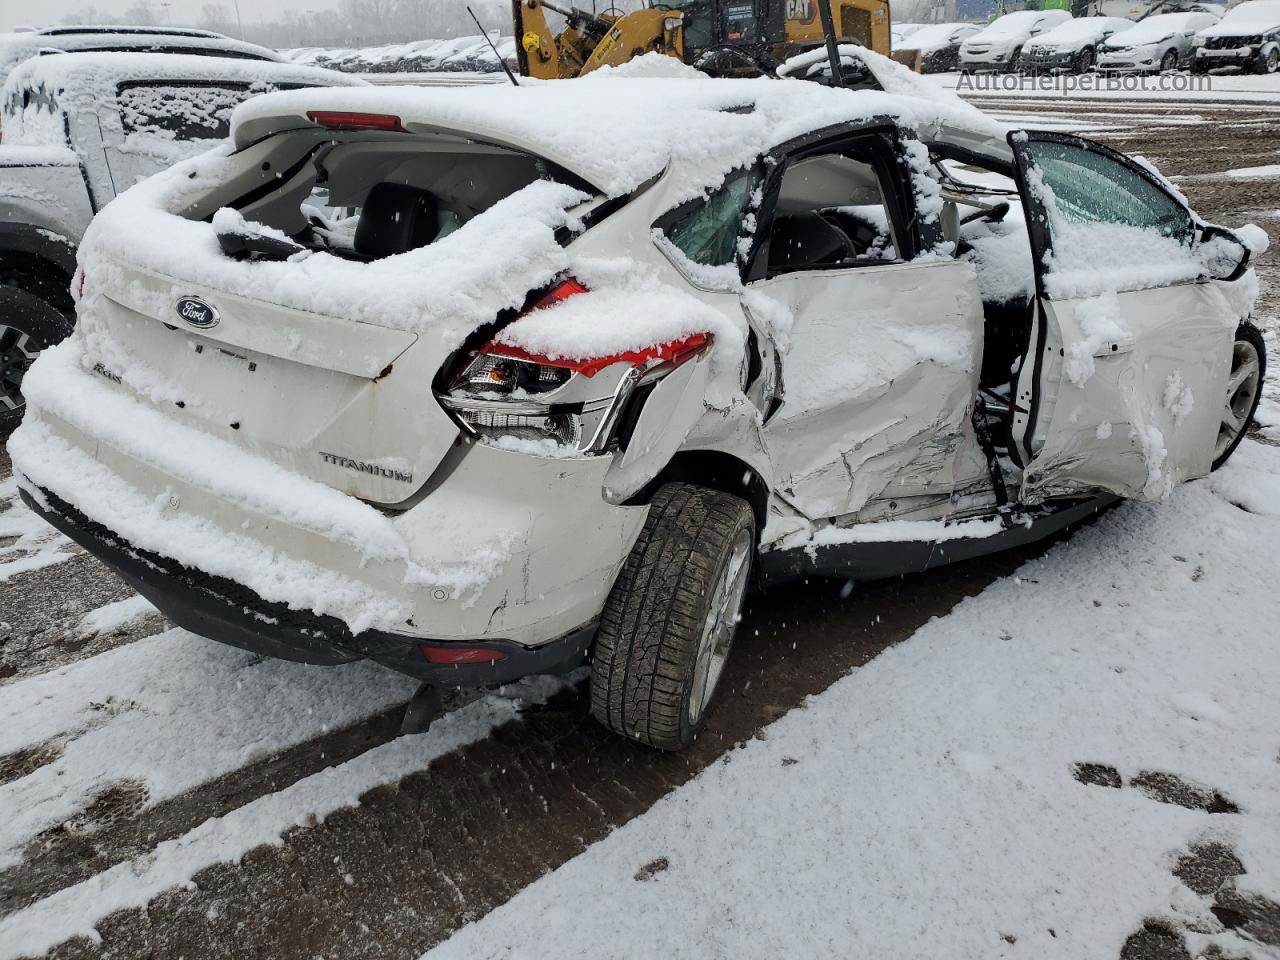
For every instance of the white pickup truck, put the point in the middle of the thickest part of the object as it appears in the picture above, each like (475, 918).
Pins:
(78, 129)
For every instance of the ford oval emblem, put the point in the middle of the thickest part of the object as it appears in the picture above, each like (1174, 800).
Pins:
(197, 313)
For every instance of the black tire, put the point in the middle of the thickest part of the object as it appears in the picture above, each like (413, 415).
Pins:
(1169, 61)
(1015, 60)
(1268, 64)
(1246, 334)
(28, 325)
(645, 670)
(1083, 61)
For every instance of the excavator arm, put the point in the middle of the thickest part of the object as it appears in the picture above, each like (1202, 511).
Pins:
(587, 41)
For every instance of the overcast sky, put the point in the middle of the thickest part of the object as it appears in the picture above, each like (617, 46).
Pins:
(15, 13)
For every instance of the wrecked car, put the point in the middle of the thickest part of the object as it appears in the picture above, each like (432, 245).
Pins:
(449, 381)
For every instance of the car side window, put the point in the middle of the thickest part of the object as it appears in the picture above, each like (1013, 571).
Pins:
(708, 232)
(1090, 187)
(831, 211)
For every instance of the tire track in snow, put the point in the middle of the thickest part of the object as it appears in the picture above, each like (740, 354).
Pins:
(447, 836)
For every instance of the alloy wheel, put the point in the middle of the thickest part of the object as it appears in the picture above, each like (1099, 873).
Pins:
(720, 626)
(1242, 389)
(17, 352)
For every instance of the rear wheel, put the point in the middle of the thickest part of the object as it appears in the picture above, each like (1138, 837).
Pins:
(28, 325)
(668, 625)
(1244, 391)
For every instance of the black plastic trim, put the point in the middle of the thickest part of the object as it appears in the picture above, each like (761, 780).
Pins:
(226, 611)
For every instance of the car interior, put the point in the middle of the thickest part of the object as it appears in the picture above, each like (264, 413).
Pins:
(366, 199)
(830, 212)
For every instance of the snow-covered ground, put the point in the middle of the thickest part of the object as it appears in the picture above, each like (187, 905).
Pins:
(931, 804)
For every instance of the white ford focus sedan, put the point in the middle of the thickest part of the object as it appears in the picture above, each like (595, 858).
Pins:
(481, 383)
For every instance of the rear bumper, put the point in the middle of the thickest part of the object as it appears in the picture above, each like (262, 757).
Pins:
(223, 610)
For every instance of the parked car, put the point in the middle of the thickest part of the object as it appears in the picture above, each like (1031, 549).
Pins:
(527, 397)
(78, 128)
(16, 48)
(939, 45)
(999, 46)
(1156, 44)
(900, 31)
(1248, 37)
(1072, 45)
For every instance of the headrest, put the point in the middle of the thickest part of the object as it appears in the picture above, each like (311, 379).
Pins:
(806, 240)
(395, 218)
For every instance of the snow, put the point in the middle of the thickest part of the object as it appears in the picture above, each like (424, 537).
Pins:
(1076, 32)
(1251, 17)
(890, 531)
(1269, 170)
(37, 155)
(76, 909)
(155, 524)
(1102, 324)
(642, 311)
(114, 616)
(1009, 25)
(34, 543)
(172, 711)
(1157, 28)
(561, 120)
(925, 804)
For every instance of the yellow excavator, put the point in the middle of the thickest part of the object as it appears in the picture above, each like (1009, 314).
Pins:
(721, 37)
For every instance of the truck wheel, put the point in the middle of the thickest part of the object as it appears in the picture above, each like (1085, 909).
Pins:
(668, 625)
(27, 325)
(1244, 391)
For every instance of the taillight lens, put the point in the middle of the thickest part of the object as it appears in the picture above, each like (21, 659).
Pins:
(508, 395)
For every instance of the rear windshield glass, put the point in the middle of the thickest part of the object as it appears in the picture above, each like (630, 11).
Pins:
(184, 111)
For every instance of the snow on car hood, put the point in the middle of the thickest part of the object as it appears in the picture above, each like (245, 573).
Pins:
(932, 37)
(1155, 29)
(1253, 17)
(1075, 33)
(1008, 27)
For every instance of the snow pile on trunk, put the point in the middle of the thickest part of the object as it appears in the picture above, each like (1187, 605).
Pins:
(955, 798)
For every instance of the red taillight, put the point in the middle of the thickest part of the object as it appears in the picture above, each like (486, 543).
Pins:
(590, 366)
(561, 292)
(460, 655)
(342, 120)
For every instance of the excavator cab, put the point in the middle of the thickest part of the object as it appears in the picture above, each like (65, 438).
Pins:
(722, 37)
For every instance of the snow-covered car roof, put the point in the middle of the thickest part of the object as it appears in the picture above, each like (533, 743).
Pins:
(1250, 17)
(1020, 21)
(699, 127)
(18, 47)
(1160, 26)
(934, 36)
(1083, 29)
(99, 71)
